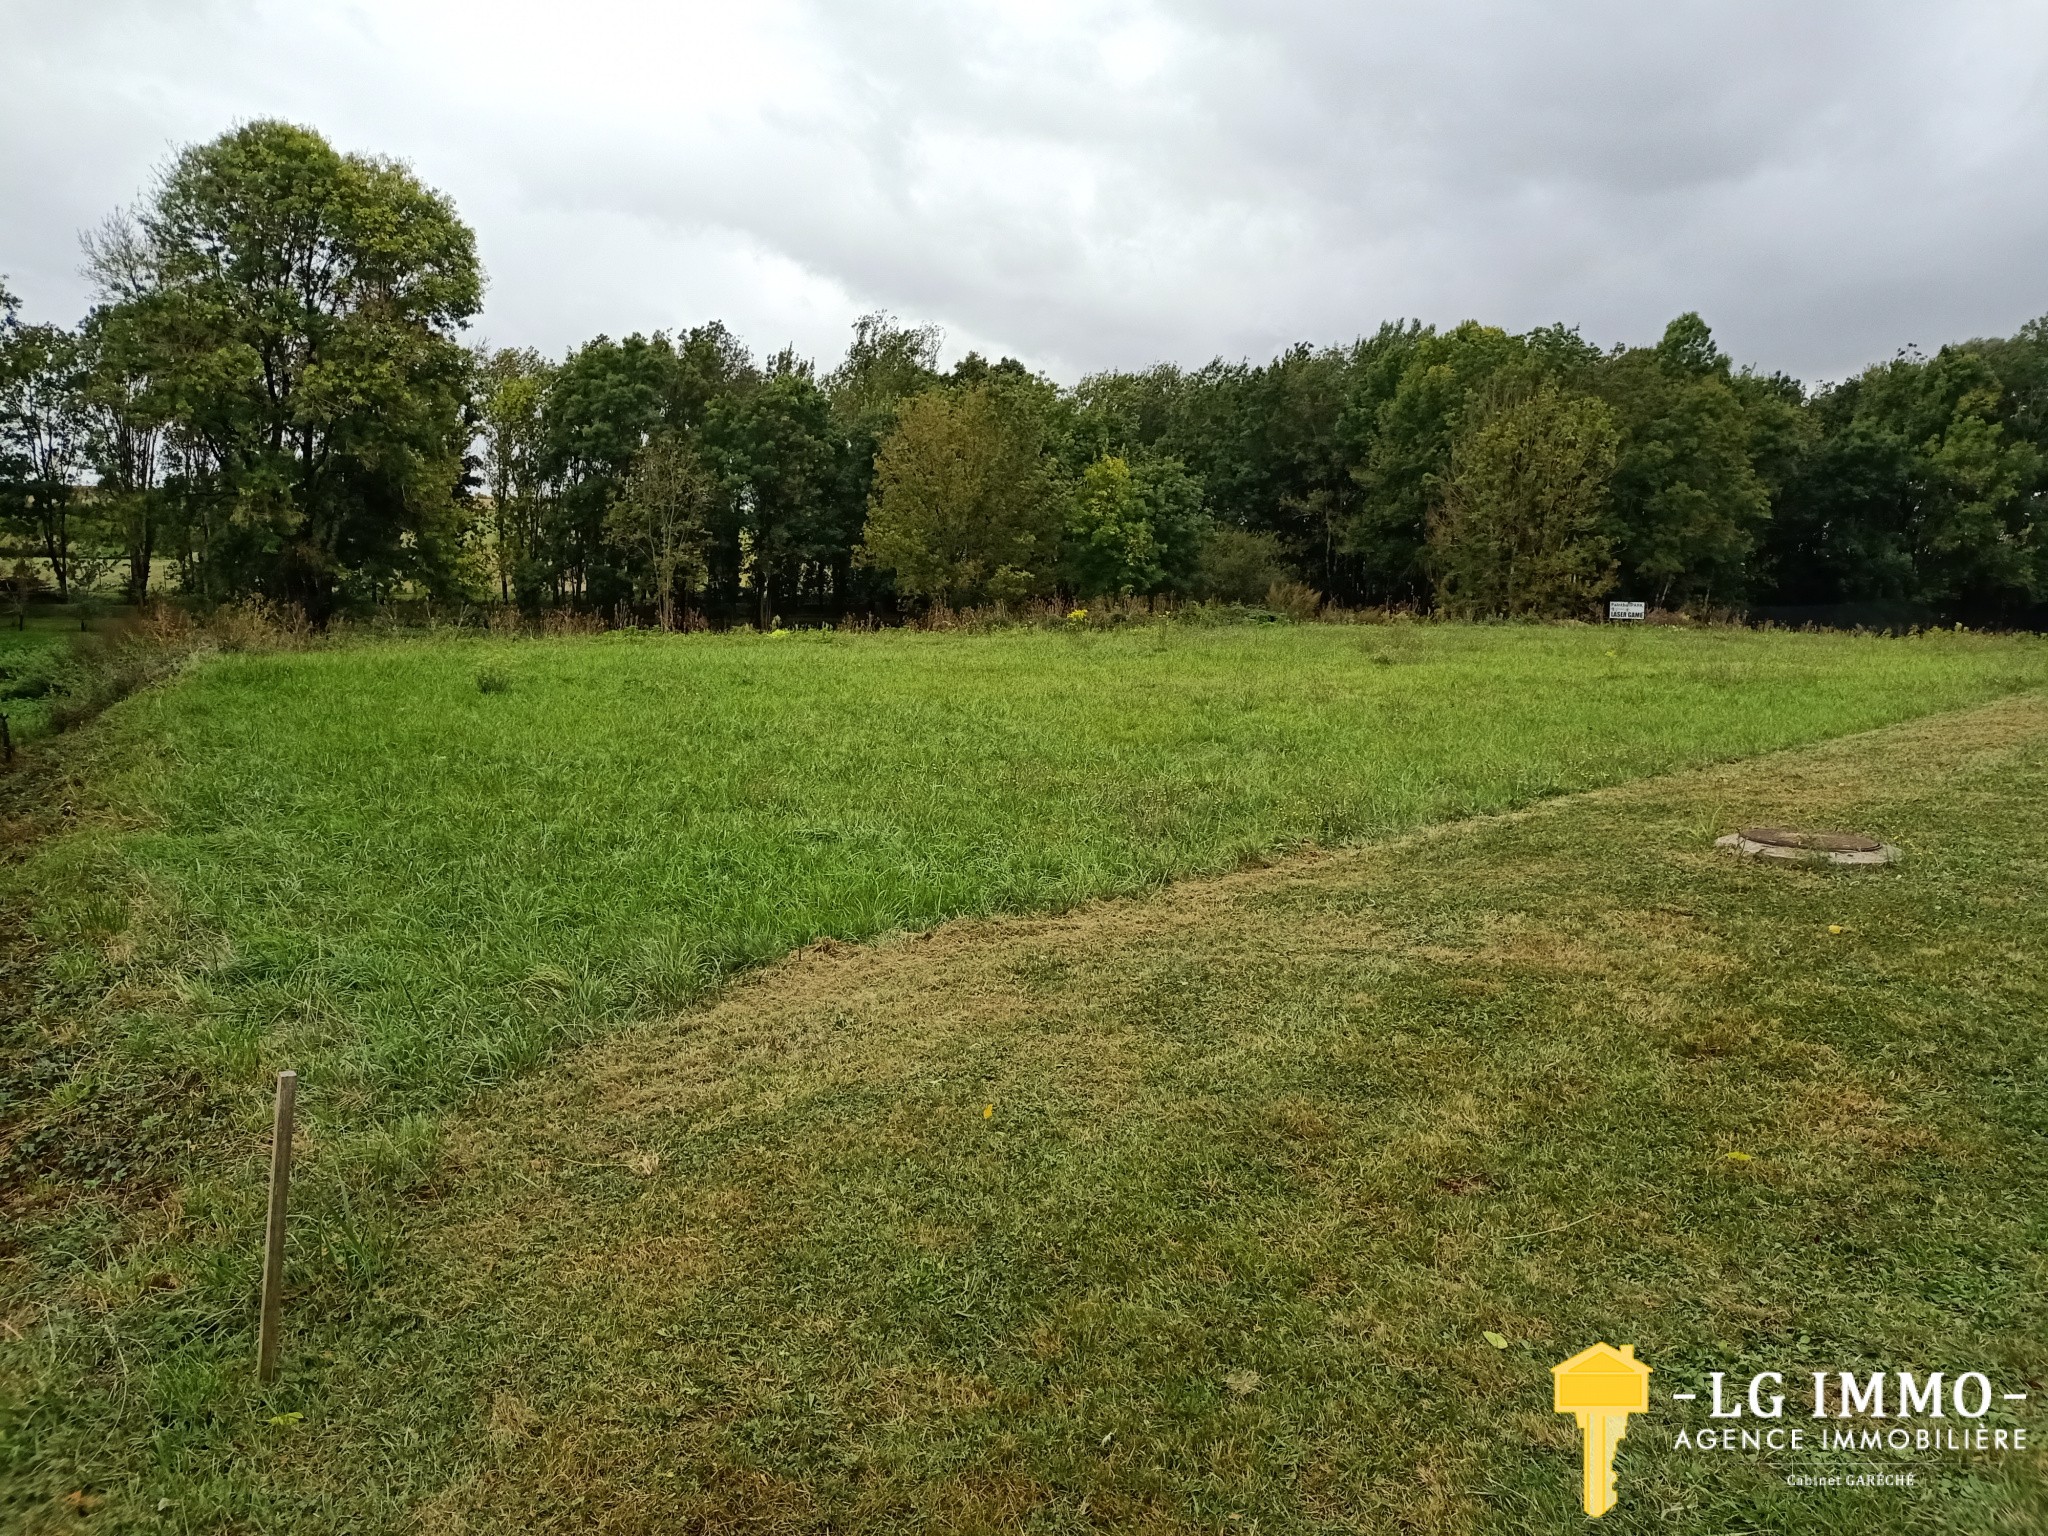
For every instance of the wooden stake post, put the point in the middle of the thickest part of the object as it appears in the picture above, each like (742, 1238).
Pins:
(273, 1234)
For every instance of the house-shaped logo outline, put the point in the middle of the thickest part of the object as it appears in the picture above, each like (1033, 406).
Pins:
(1602, 1364)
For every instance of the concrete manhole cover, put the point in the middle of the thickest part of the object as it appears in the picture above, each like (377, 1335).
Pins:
(1808, 847)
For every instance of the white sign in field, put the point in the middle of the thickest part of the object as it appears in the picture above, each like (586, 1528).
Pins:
(1626, 611)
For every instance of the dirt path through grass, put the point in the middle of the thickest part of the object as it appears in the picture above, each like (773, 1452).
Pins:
(1193, 1212)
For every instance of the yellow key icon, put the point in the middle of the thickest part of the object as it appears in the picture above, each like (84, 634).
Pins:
(1601, 1387)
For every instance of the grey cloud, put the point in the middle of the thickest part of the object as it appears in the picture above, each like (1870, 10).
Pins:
(1106, 184)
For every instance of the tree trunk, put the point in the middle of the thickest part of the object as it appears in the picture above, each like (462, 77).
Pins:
(51, 513)
(139, 562)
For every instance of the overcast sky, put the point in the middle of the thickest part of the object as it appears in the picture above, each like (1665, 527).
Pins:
(1095, 185)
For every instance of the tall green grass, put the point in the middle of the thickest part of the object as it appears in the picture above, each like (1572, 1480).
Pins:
(412, 867)
(31, 659)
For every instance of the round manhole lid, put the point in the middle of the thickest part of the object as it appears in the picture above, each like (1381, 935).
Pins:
(1812, 842)
(1798, 847)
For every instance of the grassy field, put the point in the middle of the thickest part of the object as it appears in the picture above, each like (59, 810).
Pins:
(26, 657)
(1151, 1216)
(1192, 1213)
(361, 862)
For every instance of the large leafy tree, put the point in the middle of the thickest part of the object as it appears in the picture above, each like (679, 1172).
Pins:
(1336, 453)
(1923, 487)
(1411, 406)
(1517, 528)
(1133, 528)
(663, 517)
(43, 436)
(511, 398)
(1687, 504)
(1127, 415)
(775, 447)
(129, 442)
(299, 307)
(1272, 449)
(885, 364)
(603, 405)
(966, 504)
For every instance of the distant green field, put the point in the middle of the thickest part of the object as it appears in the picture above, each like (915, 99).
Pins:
(361, 862)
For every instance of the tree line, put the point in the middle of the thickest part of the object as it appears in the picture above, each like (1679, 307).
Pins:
(271, 396)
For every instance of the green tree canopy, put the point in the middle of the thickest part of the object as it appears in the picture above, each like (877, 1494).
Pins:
(663, 517)
(1922, 487)
(965, 506)
(1687, 504)
(271, 388)
(127, 441)
(300, 307)
(884, 364)
(511, 396)
(604, 403)
(44, 435)
(1517, 528)
(1403, 424)
(1132, 528)
(780, 459)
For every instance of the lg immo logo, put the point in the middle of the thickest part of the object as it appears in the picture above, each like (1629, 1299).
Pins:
(1601, 1386)
(1949, 1410)
(1906, 1416)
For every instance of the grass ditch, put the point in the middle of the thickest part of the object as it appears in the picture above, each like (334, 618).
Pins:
(55, 676)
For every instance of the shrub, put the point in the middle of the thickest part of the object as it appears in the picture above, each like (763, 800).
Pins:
(1294, 600)
(1239, 566)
